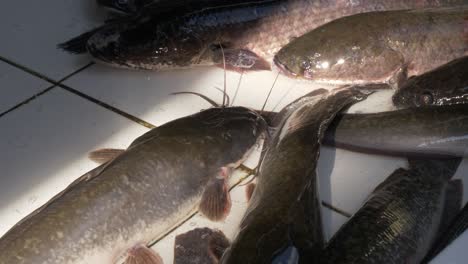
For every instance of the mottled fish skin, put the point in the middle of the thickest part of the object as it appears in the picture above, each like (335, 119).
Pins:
(456, 228)
(250, 33)
(431, 131)
(137, 197)
(445, 85)
(399, 221)
(284, 213)
(378, 46)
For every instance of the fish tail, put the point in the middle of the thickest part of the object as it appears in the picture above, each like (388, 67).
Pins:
(142, 255)
(102, 156)
(77, 45)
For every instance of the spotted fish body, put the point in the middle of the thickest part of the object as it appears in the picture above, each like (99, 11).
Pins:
(400, 220)
(251, 33)
(431, 131)
(378, 47)
(283, 219)
(138, 196)
(445, 85)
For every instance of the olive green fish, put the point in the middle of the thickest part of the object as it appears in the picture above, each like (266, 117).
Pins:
(401, 218)
(378, 47)
(116, 210)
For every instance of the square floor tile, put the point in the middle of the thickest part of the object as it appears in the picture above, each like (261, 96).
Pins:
(44, 148)
(147, 94)
(17, 86)
(31, 31)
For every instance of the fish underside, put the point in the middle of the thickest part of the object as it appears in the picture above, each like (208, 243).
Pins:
(139, 195)
(246, 35)
(283, 219)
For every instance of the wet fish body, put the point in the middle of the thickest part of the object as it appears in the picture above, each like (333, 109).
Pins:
(378, 47)
(401, 218)
(289, 226)
(139, 195)
(431, 131)
(250, 33)
(444, 85)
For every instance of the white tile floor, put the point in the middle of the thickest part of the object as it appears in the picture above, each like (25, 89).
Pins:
(45, 141)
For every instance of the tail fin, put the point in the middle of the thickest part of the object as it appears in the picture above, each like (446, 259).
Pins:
(78, 44)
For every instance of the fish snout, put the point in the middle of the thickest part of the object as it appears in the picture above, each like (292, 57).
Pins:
(283, 68)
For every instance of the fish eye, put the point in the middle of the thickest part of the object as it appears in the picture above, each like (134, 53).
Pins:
(305, 64)
(426, 98)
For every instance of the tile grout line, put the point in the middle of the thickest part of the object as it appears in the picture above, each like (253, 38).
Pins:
(107, 106)
(26, 69)
(54, 83)
(71, 90)
(336, 210)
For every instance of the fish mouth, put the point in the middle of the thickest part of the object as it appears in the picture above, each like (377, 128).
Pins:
(283, 68)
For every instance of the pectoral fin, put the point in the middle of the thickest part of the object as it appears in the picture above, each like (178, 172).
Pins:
(216, 200)
(249, 189)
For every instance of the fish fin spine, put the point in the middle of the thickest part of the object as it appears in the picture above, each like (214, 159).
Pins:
(104, 155)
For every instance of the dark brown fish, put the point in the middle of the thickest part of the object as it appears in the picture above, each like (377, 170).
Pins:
(378, 47)
(401, 218)
(445, 85)
(249, 33)
(125, 204)
(283, 219)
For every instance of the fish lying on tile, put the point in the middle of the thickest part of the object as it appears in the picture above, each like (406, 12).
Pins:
(247, 35)
(113, 212)
(432, 131)
(401, 218)
(378, 47)
(283, 219)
